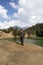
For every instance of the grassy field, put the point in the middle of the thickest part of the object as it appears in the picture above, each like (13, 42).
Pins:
(35, 37)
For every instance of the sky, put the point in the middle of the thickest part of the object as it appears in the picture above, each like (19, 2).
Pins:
(20, 13)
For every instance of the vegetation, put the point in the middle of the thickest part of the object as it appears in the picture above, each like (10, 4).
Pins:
(15, 32)
(35, 37)
(8, 30)
(35, 30)
(39, 33)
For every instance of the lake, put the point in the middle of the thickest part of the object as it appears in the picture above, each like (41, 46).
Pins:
(33, 41)
(30, 41)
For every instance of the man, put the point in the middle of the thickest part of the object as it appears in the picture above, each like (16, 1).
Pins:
(22, 37)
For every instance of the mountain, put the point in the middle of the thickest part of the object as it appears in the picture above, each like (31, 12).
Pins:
(24, 28)
(20, 27)
(17, 27)
(36, 28)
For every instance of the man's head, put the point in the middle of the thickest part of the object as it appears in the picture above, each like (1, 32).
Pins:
(21, 30)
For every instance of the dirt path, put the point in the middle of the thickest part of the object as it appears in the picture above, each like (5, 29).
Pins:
(15, 54)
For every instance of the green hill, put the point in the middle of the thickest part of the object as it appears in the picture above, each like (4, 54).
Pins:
(35, 30)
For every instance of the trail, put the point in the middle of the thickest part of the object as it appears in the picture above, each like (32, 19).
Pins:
(12, 53)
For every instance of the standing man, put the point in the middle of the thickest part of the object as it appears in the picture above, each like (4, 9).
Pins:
(22, 37)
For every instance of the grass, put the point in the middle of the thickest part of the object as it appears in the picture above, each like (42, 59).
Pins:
(10, 39)
(39, 39)
(39, 44)
(35, 37)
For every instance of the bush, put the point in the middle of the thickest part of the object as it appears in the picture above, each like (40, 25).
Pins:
(39, 33)
(15, 32)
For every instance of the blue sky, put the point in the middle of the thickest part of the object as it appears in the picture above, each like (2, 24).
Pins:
(20, 13)
(5, 3)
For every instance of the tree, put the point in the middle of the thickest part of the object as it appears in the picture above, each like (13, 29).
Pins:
(39, 33)
(10, 29)
(15, 32)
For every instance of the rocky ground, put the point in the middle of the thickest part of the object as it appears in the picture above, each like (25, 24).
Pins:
(12, 53)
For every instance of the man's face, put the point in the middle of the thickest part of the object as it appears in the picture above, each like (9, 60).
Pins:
(21, 30)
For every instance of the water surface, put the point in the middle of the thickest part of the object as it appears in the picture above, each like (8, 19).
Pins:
(29, 41)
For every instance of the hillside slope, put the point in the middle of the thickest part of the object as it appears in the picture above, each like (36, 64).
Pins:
(15, 54)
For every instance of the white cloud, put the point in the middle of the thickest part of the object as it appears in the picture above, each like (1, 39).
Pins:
(8, 24)
(3, 12)
(29, 13)
(13, 5)
(15, 15)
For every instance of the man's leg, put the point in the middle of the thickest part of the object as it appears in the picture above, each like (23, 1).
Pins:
(22, 42)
